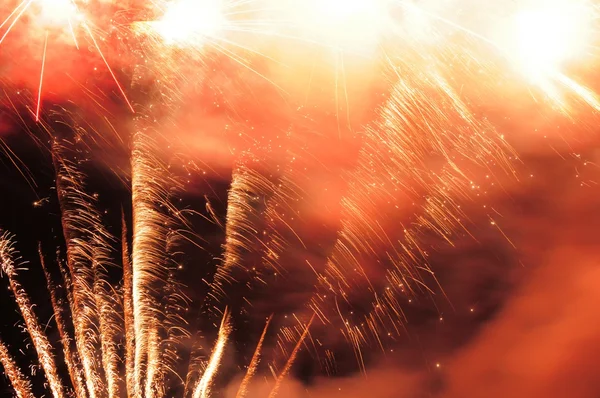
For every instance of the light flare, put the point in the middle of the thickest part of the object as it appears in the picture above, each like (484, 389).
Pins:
(543, 38)
(190, 22)
(551, 35)
(352, 25)
(56, 13)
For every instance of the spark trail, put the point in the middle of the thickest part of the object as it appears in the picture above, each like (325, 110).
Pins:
(74, 204)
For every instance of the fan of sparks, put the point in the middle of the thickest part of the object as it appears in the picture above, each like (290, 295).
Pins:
(420, 153)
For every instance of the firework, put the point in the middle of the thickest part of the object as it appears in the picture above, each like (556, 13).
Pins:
(418, 160)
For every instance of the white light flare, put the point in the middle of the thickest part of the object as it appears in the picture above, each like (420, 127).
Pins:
(190, 22)
(543, 37)
(57, 14)
(352, 25)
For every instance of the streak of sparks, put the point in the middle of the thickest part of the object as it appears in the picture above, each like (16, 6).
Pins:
(75, 204)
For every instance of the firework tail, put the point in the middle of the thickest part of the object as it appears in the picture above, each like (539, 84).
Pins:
(174, 327)
(128, 310)
(292, 358)
(107, 304)
(38, 337)
(202, 389)
(21, 385)
(107, 300)
(152, 378)
(74, 202)
(71, 356)
(240, 230)
(253, 366)
(150, 228)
